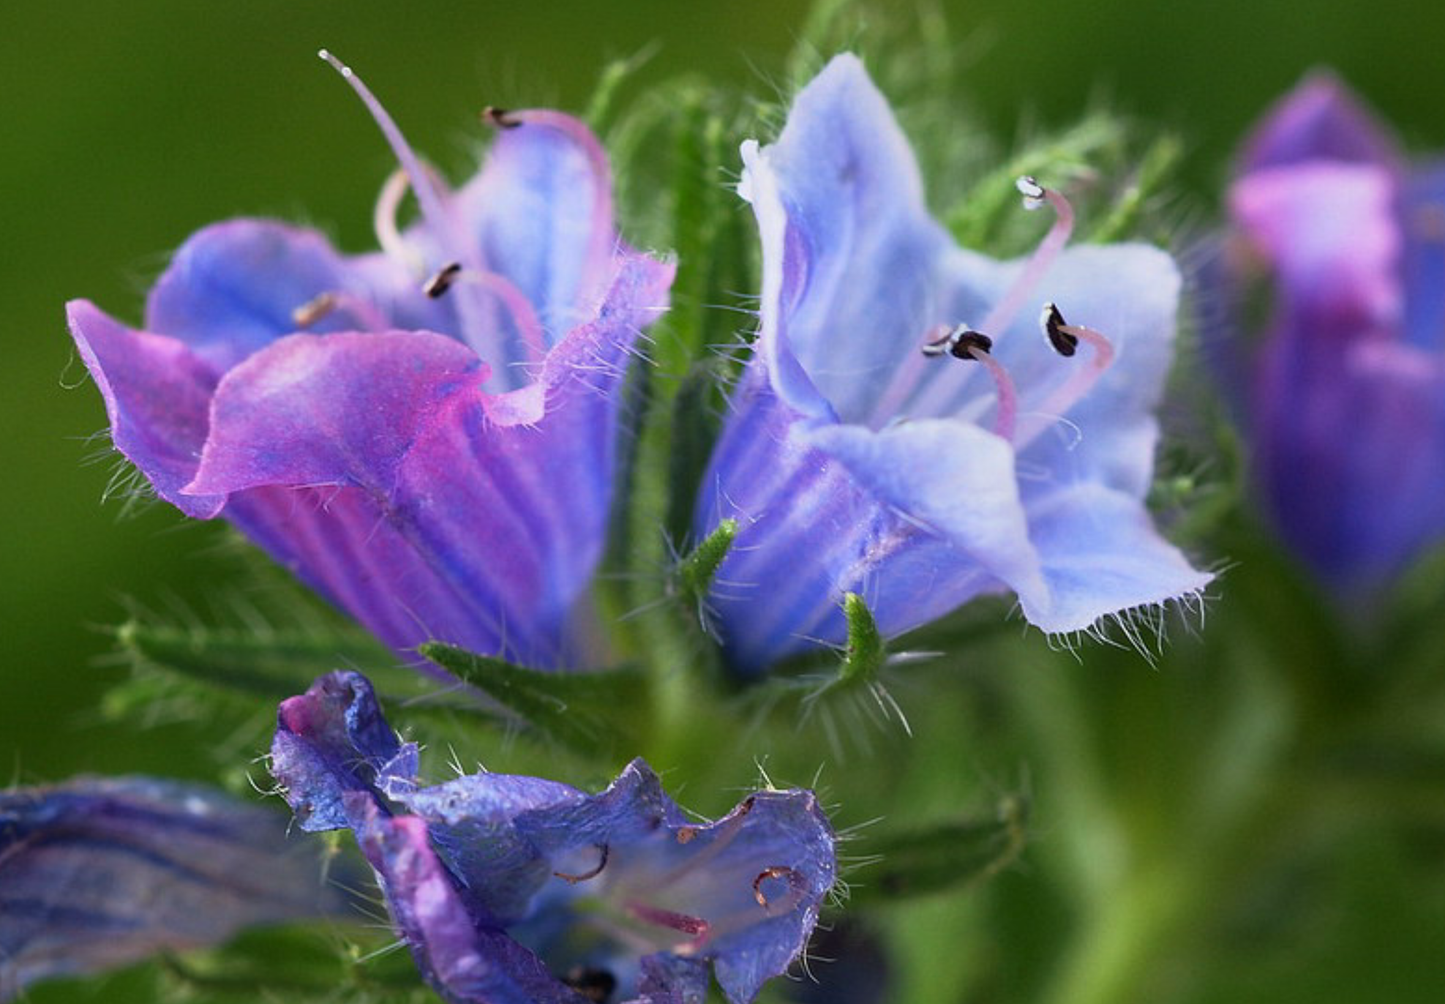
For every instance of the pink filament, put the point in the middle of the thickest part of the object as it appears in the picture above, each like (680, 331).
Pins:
(1006, 419)
(1079, 383)
(909, 375)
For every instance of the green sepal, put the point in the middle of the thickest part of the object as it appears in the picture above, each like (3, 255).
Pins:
(936, 858)
(695, 420)
(591, 713)
(695, 572)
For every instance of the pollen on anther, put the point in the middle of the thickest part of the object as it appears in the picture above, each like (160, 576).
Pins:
(1031, 190)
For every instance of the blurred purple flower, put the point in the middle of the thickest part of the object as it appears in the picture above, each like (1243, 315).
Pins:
(100, 872)
(425, 434)
(1344, 395)
(855, 463)
(519, 890)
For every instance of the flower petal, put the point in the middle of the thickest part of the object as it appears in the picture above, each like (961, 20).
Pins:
(232, 289)
(1338, 271)
(541, 212)
(848, 246)
(338, 409)
(462, 962)
(156, 392)
(332, 741)
(1101, 557)
(96, 873)
(1319, 120)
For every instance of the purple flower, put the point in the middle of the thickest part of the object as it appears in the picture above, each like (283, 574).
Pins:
(425, 434)
(518, 889)
(1345, 393)
(882, 444)
(96, 873)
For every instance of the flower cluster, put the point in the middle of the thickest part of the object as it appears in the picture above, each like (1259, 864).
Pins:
(518, 889)
(428, 436)
(1345, 394)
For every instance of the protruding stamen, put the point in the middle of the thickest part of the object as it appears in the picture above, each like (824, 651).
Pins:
(323, 305)
(797, 886)
(442, 279)
(427, 196)
(383, 221)
(1065, 342)
(673, 921)
(592, 873)
(1035, 195)
(963, 342)
(1031, 190)
(524, 318)
(313, 310)
(499, 118)
(1063, 335)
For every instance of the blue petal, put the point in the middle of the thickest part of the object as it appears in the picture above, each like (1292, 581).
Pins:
(233, 287)
(848, 246)
(333, 741)
(541, 213)
(1319, 120)
(97, 873)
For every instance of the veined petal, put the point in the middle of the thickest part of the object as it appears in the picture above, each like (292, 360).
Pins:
(541, 212)
(233, 289)
(955, 480)
(849, 249)
(97, 873)
(333, 409)
(157, 393)
(1319, 120)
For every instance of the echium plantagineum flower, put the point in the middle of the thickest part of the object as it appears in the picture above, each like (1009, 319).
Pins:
(101, 872)
(520, 890)
(904, 431)
(425, 434)
(1344, 395)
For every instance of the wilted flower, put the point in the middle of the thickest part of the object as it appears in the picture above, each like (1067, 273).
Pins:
(100, 872)
(855, 460)
(425, 434)
(519, 890)
(1345, 394)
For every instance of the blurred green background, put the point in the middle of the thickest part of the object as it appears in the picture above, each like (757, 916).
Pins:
(126, 126)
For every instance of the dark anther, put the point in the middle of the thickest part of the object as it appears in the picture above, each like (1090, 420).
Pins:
(499, 117)
(959, 343)
(685, 834)
(1053, 324)
(773, 872)
(593, 984)
(584, 876)
(442, 280)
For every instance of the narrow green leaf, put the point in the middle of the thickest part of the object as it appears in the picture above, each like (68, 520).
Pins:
(933, 859)
(590, 713)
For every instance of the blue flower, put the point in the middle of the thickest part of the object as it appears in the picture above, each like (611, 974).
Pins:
(903, 431)
(100, 872)
(426, 435)
(1344, 393)
(519, 889)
